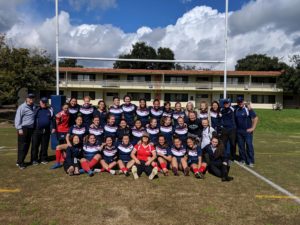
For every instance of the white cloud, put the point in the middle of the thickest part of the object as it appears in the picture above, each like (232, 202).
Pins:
(198, 34)
(92, 4)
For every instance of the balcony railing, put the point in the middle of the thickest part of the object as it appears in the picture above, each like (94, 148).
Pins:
(166, 85)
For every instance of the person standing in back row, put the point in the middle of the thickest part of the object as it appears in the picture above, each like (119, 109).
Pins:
(44, 120)
(24, 122)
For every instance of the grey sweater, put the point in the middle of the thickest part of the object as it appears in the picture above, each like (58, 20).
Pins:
(25, 116)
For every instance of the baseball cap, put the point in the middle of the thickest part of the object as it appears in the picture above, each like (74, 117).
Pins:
(44, 100)
(239, 99)
(30, 95)
(226, 101)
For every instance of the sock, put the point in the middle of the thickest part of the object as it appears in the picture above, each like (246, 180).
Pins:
(202, 169)
(102, 169)
(62, 156)
(124, 169)
(57, 155)
(163, 165)
(93, 162)
(195, 170)
(108, 169)
(85, 166)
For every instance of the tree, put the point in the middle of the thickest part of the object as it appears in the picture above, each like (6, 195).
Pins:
(141, 50)
(260, 62)
(23, 68)
(69, 63)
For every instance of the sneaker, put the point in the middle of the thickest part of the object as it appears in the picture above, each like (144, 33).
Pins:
(44, 162)
(153, 173)
(126, 173)
(81, 171)
(197, 175)
(97, 170)
(55, 166)
(186, 171)
(70, 171)
(251, 165)
(22, 166)
(201, 175)
(134, 172)
(113, 172)
(91, 173)
(17, 164)
(242, 163)
(175, 172)
(227, 179)
(35, 163)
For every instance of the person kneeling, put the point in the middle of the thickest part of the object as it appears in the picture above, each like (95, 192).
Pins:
(144, 154)
(215, 161)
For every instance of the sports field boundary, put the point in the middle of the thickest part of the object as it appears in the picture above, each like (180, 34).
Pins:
(272, 184)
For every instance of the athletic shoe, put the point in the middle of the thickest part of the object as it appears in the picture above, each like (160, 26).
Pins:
(91, 173)
(227, 179)
(201, 175)
(22, 166)
(127, 174)
(81, 171)
(55, 166)
(197, 175)
(44, 162)
(35, 163)
(113, 172)
(242, 163)
(134, 172)
(153, 173)
(186, 171)
(251, 165)
(175, 171)
(70, 171)
(97, 170)
(17, 164)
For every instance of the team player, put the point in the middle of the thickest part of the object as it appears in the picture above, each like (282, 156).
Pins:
(156, 110)
(153, 130)
(101, 112)
(123, 129)
(137, 132)
(116, 110)
(109, 156)
(96, 129)
(177, 113)
(207, 133)
(194, 153)
(73, 110)
(179, 159)
(87, 111)
(181, 130)
(143, 155)
(73, 153)
(62, 120)
(214, 116)
(164, 154)
(166, 129)
(124, 150)
(194, 126)
(129, 110)
(110, 129)
(167, 110)
(91, 155)
(142, 112)
(203, 111)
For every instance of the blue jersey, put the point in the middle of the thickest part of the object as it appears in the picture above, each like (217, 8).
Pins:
(176, 115)
(244, 118)
(124, 152)
(202, 115)
(73, 112)
(178, 152)
(136, 134)
(194, 154)
(98, 131)
(117, 112)
(72, 154)
(153, 133)
(102, 116)
(181, 132)
(143, 115)
(110, 153)
(122, 132)
(167, 131)
(215, 119)
(228, 118)
(79, 131)
(168, 113)
(163, 150)
(110, 131)
(87, 112)
(129, 112)
(156, 113)
(90, 150)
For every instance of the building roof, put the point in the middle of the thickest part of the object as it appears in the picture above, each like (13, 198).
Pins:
(168, 72)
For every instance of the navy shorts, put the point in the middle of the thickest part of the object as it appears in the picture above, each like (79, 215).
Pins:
(192, 161)
(61, 137)
(108, 160)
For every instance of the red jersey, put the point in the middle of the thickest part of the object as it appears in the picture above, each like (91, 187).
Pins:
(62, 122)
(143, 152)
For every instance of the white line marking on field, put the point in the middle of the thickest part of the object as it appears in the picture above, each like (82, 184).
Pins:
(272, 184)
(2, 147)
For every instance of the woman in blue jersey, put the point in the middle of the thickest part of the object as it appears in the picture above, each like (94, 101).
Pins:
(181, 130)
(156, 110)
(110, 129)
(125, 162)
(214, 117)
(116, 110)
(178, 112)
(71, 163)
(91, 155)
(87, 111)
(194, 154)
(142, 112)
(73, 111)
(164, 154)
(101, 112)
(109, 156)
(123, 129)
(153, 130)
(137, 132)
(167, 110)
(179, 159)
(96, 129)
(166, 129)
(129, 110)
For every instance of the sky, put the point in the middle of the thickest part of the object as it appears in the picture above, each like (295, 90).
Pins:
(193, 29)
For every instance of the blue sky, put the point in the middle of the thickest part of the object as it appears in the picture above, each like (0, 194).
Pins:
(128, 15)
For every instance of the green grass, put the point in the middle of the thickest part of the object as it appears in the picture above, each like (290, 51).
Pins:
(51, 197)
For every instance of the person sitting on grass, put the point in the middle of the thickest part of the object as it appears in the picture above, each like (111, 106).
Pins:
(215, 160)
(194, 153)
(144, 154)
(71, 164)
(109, 156)
(77, 129)
(179, 159)
(91, 155)
(164, 155)
(124, 150)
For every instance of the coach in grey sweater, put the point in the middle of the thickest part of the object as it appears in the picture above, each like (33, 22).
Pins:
(24, 122)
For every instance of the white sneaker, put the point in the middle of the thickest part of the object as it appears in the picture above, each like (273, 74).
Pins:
(134, 172)
(97, 170)
(153, 173)
(113, 172)
(251, 165)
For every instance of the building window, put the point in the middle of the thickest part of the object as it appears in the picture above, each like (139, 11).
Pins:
(202, 79)
(176, 79)
(232, 97)
(83, 77)
(82, 94)
(136, 96)
(201, 95)
(111, 77)
(47, 93)
(174, 97)
(61, 76)
(267, 99)
(112, 94)
(268, 80)
(233, 80)
(139, 78)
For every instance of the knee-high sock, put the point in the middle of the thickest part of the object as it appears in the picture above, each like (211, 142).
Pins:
(85, 166)
(58, 155)
(92, 163)
(202, 169)
(163, 165)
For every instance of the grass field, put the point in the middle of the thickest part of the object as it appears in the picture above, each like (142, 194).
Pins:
(51, 197)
